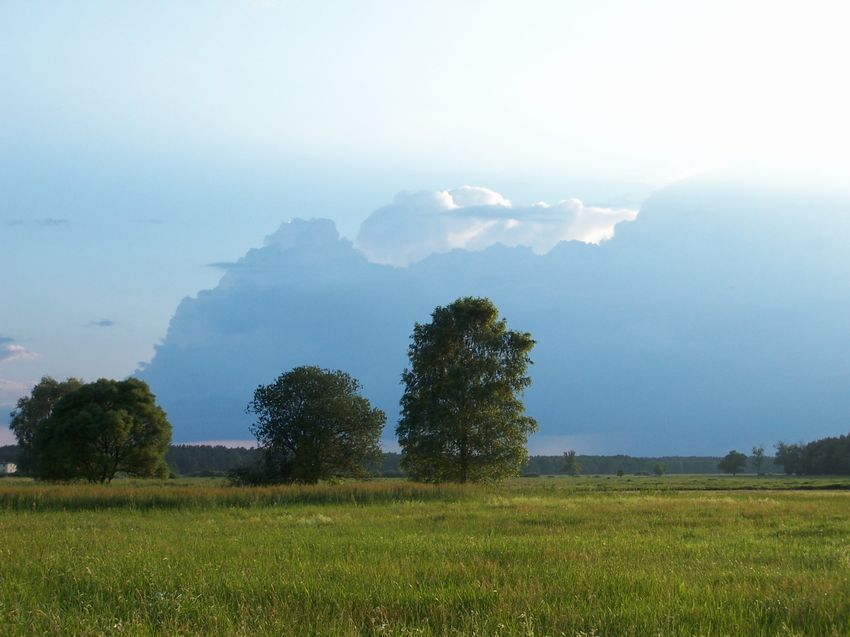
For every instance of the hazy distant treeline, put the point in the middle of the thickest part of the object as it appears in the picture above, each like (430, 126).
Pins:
(200, 460)
(826, 456)
(609, 465)
(209, 460)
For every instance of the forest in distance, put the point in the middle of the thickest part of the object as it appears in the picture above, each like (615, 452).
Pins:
(826, 456)
(216, 460)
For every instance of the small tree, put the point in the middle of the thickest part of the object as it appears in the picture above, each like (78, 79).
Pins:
(572, 466)
(31, 412)
(758, 459)
(100, 429)
(733, 462)
(312, 424)
(461, 415)
(659, 469)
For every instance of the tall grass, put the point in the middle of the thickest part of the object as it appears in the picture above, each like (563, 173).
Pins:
(529, 557)
(26, 495)
(76, 497)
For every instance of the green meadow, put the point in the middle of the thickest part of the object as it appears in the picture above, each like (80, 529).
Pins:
(543, 556)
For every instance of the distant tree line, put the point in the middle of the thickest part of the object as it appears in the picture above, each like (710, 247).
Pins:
(182, 460)
(631, 465)
(214, 460)
(208, 460)
(827, 456)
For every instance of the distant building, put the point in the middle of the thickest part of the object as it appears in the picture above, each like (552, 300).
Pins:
(7, 468)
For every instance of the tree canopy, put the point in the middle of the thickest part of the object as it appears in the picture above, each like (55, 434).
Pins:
(313, 424)
(31, 412)
(103, 428)
(733, 462)
(462, 418)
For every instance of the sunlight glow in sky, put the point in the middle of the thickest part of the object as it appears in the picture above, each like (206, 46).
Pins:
(645, 91)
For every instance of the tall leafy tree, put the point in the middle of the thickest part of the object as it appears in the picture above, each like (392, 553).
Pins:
(313, 424)
(31, 412)
(103, 428)
(462, 418)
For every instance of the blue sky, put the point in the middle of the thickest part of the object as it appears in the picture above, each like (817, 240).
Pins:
(143, 141)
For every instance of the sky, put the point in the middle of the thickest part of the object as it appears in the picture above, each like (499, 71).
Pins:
(142, 142)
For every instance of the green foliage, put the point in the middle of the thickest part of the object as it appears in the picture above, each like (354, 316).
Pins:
(758, 459)
(733, 462)
(790, 458)
(462, 418)
(31, 412)
(659, 469)
(313, 424)
(571, 463)
(827, 456)
(100, 429)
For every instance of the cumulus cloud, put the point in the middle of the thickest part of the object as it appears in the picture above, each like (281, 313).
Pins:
(474, 218)
(12, 351)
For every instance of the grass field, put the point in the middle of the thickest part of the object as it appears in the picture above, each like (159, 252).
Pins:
(590, 556)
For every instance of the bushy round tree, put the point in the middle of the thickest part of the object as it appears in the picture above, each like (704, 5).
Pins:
(313, 424)
(103, 428)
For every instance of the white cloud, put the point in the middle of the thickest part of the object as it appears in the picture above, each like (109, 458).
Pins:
(474, 218)
(12, 352)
